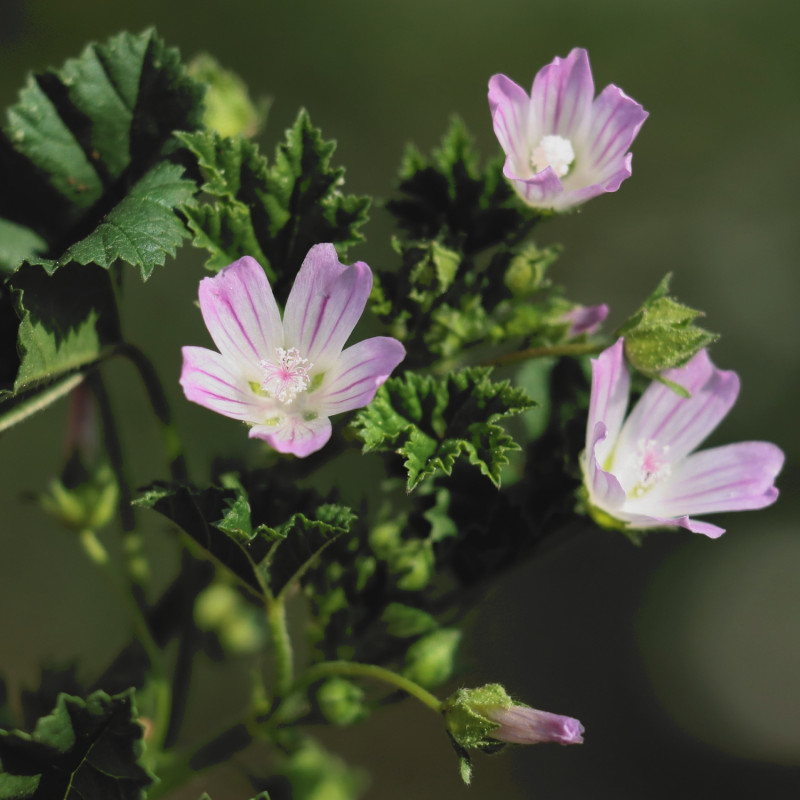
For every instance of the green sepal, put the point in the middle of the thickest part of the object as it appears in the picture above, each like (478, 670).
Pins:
(84, 748)
(432, 422)
(264, 558)
(662, 335)
(464, 715)
(448, 196)
(84, 154)
(273, 213)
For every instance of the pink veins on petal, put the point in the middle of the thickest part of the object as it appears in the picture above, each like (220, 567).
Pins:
(286, 377)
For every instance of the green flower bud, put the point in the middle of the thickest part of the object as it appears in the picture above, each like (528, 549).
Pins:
(341, 701)
(430, 660)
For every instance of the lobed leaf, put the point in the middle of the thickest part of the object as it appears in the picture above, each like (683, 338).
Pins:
(448, 196)
(433, 422)
(264, 558)
(83, 157)
(273, 213)
(84, 748)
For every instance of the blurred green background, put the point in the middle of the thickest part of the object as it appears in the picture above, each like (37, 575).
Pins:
(682, 658)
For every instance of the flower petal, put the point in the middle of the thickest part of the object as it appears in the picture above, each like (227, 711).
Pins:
(543, 190)
(605, 490)
(294, 434)
(213, 381)
(358, 373)
(615, 121)
(643, 522)
(677, 423)
(609, 398)
(735, 477)
(324, 305)
(508, 104)
(561, 98)
(241, 314)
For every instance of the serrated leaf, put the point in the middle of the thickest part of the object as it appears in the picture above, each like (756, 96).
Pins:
(448, 196)
(662, 335)
(432, 422)
(84, 138)
(141, 230)
(66, 323)
(84, 749)
(273, 213)
(263, 557)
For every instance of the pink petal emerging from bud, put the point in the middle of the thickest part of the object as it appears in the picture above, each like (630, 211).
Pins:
(585, 319)
(523, 725)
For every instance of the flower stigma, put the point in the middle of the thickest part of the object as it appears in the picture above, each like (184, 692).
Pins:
(553, 151)
(286, 376)
(652, 465)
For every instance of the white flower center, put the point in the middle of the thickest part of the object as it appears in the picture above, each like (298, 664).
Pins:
(286, 376)
(652, 465)
(553, 151)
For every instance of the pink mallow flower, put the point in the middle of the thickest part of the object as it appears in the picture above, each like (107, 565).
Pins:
(642, 471)
(286, 378)
(564, 146)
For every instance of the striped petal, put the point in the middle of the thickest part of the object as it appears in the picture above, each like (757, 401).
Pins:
(241, 314)
(561, 98)
(609, 399)
(605, 490)
(214, 382)
(677, 423)
(735, 477)
(508, 104)
(324, 305)
(294, 434)
(615, 121)
(358, 373)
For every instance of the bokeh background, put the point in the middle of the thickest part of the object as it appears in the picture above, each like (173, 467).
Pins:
(681, 657)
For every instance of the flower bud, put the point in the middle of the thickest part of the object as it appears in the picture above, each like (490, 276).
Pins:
(484, 716)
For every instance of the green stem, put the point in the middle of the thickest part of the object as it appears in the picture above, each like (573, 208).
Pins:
(281, 645)
(99, 556)
(158, 400)
(542, 352)
(355, 669)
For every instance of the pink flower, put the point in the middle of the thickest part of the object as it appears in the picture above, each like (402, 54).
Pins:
(523, 725)
(642, 471)
(564, 146)
(285, 378)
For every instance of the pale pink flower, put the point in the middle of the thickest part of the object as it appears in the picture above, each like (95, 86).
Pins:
(642, 471)
(585, 319)
(285, 378)
(563, 145)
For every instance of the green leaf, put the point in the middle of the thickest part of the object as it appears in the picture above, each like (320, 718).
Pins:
(263, 557)
(432, 422)
(67, 320)
(662, 334)
(84, 145)
(17, 243)
(273, 213)
(141, 230)
(448, 196)
(430, 660)
(83, 749)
